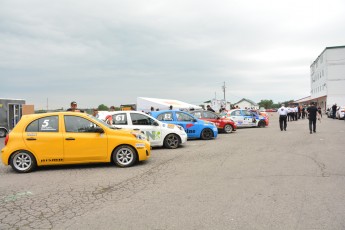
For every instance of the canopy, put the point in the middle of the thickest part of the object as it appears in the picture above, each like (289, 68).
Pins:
(145, 104)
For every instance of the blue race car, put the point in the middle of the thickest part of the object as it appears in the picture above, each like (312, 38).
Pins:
(195, 128)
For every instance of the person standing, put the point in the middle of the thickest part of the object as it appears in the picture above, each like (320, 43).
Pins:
(334, 110)
(209, 108)
(283, 112)
(95, 113)
(74, 108)
(312, 114)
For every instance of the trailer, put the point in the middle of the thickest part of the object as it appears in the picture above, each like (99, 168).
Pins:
(10, 114)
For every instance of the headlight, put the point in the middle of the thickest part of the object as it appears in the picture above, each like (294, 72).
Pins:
(180, 127)
(139, 136)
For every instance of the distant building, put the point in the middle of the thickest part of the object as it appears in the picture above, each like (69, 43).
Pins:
(246, 103)
(327, 78)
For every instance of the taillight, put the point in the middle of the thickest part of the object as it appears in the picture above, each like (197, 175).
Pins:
(6, 139)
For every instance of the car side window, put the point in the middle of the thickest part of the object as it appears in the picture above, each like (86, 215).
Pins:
(44, 124)
(140, 119)
(120, 119)
(197, 114)
(247, 113)
(210, 115)
(184, 117)
(236, 113)
(75, 124)
(165, 117)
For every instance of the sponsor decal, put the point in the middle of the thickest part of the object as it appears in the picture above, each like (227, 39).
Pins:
(189, 125)
(190, 131)
(171, 126)
(154, 135)
(51, 160)
(139, 145)
(31, 134)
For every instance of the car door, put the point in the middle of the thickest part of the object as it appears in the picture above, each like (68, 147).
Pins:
(249, 118)
(81, 143)
(237, 117)
(44, 138)
(212, 117)
(146, 124)
(188, 123)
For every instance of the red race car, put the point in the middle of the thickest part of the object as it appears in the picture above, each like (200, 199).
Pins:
(223, 124)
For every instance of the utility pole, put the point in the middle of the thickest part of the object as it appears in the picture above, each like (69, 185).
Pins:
(224, 87)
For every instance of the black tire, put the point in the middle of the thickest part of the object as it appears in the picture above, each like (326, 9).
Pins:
(124, 156)
(228, 128)
(206, 134)
(3, 132)
(262, 124)
(23, 161)
(171, 141)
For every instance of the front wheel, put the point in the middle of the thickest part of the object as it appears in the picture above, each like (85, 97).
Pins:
(124, 156)
(228, 128)
(171, 141)
(23, 162)
(206, 134)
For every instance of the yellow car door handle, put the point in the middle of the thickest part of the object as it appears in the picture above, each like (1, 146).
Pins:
(70, 139)
(31, 139)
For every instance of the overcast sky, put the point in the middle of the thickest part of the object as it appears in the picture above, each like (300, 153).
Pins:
(111, 52)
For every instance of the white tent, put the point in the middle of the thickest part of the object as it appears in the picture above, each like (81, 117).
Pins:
(145, 104)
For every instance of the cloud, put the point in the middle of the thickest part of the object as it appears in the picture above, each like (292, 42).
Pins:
(111, 52)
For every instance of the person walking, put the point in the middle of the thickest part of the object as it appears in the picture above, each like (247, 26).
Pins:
(283, 112)
(312, 115)
(334, 110)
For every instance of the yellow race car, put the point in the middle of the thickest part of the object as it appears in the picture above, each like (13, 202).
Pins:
(70, 138)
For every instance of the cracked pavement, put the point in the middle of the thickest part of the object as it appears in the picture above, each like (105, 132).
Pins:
(251, 179)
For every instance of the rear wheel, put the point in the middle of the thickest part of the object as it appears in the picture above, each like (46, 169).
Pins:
(23, 161)
(262, 124)
(228, 128)
(3, 132)
(124, 156)
(171, 141)
(206, 134)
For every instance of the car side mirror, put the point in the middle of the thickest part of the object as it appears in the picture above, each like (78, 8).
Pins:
(195, 120)
(155, 123)
(96, 130)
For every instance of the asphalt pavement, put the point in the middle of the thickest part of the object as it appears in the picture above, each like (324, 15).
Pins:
(254, 178)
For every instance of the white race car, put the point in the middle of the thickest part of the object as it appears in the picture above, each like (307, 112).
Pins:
(158, 133)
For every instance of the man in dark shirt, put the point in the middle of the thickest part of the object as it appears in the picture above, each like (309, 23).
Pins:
(312, 114)
(74, 108)
(334, 110)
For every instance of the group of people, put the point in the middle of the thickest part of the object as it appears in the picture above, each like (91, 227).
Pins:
(312, 113)
(74, 108)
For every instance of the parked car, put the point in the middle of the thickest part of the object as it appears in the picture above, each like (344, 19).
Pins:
(223, 124)
(339, 114)
(246, 118)
(195, 128)
(70, 138)
(270, 110)
(158, 133)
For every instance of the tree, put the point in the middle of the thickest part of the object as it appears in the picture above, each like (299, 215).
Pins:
(103, 107)
(267, 104)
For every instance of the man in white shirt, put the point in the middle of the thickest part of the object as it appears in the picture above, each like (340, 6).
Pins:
(283, 112)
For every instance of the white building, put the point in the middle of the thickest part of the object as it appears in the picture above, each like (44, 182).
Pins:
(327, 77)
(246, 104)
